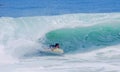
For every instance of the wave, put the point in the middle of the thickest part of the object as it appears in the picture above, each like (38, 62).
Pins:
(72, 31)
(84, 38)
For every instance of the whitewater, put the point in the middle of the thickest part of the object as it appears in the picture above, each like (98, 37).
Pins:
(91, 43)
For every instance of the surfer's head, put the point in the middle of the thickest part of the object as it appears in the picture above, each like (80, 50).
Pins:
(57, 45)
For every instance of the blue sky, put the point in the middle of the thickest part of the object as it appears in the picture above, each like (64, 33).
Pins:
(18, 8)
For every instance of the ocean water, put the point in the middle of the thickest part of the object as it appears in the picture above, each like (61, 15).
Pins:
(90, 41)
(87, 30)
(23, 8)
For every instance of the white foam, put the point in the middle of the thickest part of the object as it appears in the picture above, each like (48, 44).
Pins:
(5, 58)
(20, 47)
(108, 53)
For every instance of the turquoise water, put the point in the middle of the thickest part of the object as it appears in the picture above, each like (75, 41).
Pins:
(83, 38)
